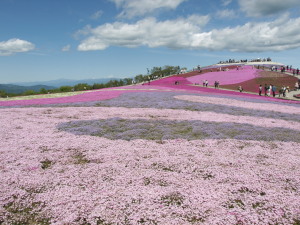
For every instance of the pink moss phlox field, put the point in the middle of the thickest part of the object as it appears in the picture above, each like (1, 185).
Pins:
(55, 177)
(109, 93)
(239, 103)
(171, 80)
(88, 96)
(233, 76)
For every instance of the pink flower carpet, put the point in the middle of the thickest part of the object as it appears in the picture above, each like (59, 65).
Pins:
(150, 154)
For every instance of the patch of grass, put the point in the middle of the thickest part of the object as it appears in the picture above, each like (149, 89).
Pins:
(21, 214)
(80, 158)
(46, 164)
(174, 198)
(296, 222)
(257, 205)
(208, 176)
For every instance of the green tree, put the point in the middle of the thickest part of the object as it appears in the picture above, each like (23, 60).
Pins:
(82, 87)
(3, 94)
(29, 92)
(43, 91)
(139, 78)
(127, 81)
(66, 88)
(98, 86)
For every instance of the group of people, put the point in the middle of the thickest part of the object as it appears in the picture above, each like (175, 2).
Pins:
(271, 90)
(245, 60)
(296, 71)
(205, 83)
(268, 89)
(217, 84)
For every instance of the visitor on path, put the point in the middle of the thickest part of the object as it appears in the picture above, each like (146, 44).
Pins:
(260, 90)
(203, 83)
(240, 88)
(280, 92)
(284, 91)
(296, 86)
(206, 83)
(266, 89)
(274, 90)
(216, 84)
(269, 90)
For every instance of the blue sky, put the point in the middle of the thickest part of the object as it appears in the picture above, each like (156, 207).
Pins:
(44, 40)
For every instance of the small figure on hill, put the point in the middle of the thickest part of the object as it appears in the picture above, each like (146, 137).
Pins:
(284, 91)
(199, 68)
(269, 90)
(206, 83)
(260, 90)
(216, 84)
(266, 89)
(280, 92)
(240, 88)
(203, 83)
(273, 90)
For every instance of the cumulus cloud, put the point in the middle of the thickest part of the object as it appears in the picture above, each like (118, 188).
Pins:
(188, 33)
(226, 13)
(257, 8)
(97, 15)
(226, 2)
(132, 8)
(146, 32)
(15, 45)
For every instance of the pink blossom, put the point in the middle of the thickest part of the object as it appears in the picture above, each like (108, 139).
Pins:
(51, 174)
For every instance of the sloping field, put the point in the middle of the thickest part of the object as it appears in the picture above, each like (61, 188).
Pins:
(150, 154)
(232, 76)
(265, 77)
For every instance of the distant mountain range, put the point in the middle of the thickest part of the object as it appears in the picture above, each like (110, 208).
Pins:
(65, 82)
(17, 89)
(20, 87)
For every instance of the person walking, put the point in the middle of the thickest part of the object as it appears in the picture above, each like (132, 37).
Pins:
(283, 91)
(273, 90)
(240, 88)
(296, 86)
(266, 89)
(260, 90)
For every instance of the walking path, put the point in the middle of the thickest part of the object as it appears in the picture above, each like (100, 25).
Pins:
(291, 94)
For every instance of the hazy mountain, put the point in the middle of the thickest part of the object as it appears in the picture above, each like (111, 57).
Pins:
(65, 82)
(17, 89)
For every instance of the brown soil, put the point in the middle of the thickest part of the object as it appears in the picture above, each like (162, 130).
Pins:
(265, 77)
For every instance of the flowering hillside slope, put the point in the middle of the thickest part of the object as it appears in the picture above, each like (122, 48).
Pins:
(232, 76)
(150, 154)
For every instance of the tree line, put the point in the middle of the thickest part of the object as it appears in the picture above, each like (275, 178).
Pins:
(154, 73)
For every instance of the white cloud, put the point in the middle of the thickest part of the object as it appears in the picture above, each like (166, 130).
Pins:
(226, 14)
(226, 2)
(187, 33)
(97, 15)
(132, 8)
(15, 45)
(66, 48)
(257, 8)
(147, 32)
